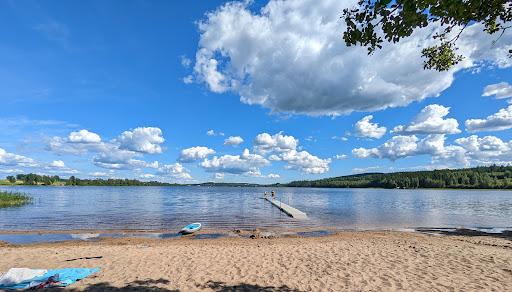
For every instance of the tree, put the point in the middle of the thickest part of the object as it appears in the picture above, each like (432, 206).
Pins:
(11, 179)
(400, 18)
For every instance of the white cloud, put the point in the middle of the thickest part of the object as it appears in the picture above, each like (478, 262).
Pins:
(468, 151)
(486, 150)
(188, 79)
(273, 175)
(394, 148)
(235, 164)
(219, 176)
(365, 169)
(120, 153)
(289, 57)
(121, 159)
(213, 133)
(501, 120)
(11, 159)
(500, 90)
(84, 136)
(195, 153)
(284, 148)
(185, 62)
(176, 171)
(142, 139)
(147, 176)
(100, 174)
(364, 128)
(234, 141)
(430, 120)
(266, 143)
(407, 146)
(62, 146)
(305, 162)
(341, 157)
(58, 164)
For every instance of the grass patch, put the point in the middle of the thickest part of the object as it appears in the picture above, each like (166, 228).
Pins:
(10, 199)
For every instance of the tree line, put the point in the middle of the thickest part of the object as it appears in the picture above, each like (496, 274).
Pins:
(485, 177)
(36, 179)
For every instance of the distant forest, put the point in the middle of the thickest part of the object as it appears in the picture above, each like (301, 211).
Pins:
(36, 179)
(485, 177)
(489, 177)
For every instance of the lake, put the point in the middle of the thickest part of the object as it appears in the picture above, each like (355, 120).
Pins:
(170, 208)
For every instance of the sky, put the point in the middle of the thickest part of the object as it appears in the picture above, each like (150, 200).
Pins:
(252, 91)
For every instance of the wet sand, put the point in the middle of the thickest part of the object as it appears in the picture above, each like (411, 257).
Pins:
(347, 261)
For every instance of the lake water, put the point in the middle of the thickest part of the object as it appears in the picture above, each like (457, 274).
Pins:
(170, 208)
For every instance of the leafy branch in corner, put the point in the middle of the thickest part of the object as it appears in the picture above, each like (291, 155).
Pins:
(374, 21)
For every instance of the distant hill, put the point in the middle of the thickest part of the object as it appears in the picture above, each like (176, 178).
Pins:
(489, 177)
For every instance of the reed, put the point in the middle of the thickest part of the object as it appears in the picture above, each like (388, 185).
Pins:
(13, 199)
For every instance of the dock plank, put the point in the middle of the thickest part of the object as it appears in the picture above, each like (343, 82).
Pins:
(289, 210)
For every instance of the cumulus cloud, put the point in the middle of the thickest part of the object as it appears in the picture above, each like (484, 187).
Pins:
(195, 153)
(58, 164)
(11, 159)
(305, 162)
(430, 120)
(472, 150)
(486, 150)
(121, 153)
(289, 57)
(234, 141)
(273, 175)
(281, 147)
(406, 146)
(365, 128)
(121, 159)
(500, 90)
(84, 136)
(279, 143)
(501, 120)
(219, 176)
(142, 139)
(176, 171)
(246, 163)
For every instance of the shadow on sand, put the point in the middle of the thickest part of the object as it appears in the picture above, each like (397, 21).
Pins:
(506, 234)
(152, 286)
(223, 287)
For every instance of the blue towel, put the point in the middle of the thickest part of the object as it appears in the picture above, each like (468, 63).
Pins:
(67, 276)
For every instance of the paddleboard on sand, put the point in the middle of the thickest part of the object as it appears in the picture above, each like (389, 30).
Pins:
(191, 228)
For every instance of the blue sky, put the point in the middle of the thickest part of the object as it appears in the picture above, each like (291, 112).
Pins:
(131, 88)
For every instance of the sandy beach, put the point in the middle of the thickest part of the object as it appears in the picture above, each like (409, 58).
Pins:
(347, 261)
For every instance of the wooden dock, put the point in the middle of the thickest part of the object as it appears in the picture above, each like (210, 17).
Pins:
(289, 210)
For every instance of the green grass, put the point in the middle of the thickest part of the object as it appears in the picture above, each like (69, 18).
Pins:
(10, 199)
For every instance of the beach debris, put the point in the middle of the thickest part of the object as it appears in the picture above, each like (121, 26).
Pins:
(84, 258)
(24, 278)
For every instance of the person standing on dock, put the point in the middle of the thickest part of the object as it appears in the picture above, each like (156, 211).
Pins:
(273, 195)
(265, 195)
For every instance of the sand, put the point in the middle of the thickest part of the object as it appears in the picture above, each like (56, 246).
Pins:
(347, 261)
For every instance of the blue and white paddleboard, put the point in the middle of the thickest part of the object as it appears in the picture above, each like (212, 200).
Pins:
(191, 228)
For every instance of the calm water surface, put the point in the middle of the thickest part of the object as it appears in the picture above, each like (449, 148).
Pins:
(152, 208)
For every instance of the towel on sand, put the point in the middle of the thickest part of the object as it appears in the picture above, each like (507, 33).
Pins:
(18, 275)
(64, 277)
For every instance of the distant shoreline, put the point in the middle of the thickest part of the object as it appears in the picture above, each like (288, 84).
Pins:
(261, 186)
(492, 177)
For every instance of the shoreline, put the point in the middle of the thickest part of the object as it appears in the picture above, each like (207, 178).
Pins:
(353, 261)
(36, 237)
(263, 186)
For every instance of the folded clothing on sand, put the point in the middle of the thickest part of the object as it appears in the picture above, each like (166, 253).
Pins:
(22, 278)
